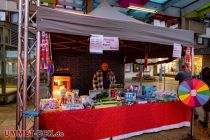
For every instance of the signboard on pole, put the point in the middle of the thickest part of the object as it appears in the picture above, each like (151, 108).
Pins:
(111, 43)
(96, 44)
(177, 50)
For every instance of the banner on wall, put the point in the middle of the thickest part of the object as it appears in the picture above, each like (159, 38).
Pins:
(177, 50)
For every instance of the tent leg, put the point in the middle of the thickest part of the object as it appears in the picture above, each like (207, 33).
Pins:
(190, 136)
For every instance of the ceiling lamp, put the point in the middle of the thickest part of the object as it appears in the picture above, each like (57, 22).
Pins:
(142, 9)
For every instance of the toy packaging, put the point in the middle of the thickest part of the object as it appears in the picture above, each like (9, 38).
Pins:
(49, 104)
(148, 90)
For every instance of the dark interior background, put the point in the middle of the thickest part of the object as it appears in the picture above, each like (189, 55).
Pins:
(83, 66)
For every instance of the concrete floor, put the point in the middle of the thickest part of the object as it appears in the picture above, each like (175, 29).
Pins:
(8, 114)
(7, 118)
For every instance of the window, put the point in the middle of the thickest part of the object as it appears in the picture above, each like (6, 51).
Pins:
(199, 40)
(11, 68)
(2, 16)
(14, 18)
(11, 52)
(0, 68)
(1, 82)
(159, 23)
(128, 67)
(206, 42)
(1, 48)
(7, 36)
(136, 68)
(11, 85)
(14, 37)
(1, 34)
(175, 26)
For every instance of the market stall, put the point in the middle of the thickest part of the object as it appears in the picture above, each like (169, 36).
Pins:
(70, 33)
(136, 39)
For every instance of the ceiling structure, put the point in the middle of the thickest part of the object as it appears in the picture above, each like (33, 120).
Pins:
(202, 12)
(199, 9)
(172, 8)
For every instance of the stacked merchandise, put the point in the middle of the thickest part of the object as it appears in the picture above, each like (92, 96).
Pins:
(150, 94)
(165, 95)
(116, 96)
(106, 99)
(49, 104)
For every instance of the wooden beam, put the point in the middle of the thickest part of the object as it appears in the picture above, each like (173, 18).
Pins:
(66, 38)
(68, 47)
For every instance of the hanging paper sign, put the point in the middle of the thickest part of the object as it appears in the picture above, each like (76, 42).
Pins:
(96, 44)
(177, 50)
(111, 43)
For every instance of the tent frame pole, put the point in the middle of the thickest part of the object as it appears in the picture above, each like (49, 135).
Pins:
(28, 53)
(192, 61)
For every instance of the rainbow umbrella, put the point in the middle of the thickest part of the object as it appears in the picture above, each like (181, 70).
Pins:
(194, 92)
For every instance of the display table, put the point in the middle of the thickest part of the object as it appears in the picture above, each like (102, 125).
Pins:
(117, 122)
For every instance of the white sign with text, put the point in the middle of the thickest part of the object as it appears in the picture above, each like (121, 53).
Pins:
(96, 44)
(111, 43)
(177, 50)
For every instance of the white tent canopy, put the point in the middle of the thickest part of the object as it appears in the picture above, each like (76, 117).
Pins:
(104, 10)
(57, 21)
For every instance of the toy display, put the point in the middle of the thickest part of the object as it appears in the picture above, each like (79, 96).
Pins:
(49, 104)
(105, 104)
(148, 90)
(135, 88)
(72, 106)
(130, 97)
(116, 96)
(165, 95)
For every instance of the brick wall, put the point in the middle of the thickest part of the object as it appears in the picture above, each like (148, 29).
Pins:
(84, 66)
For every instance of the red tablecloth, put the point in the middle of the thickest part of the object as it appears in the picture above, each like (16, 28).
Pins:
(108, 122)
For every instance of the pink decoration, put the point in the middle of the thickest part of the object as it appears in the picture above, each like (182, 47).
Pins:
(188, 57)
(44, 50)
(125, 3)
